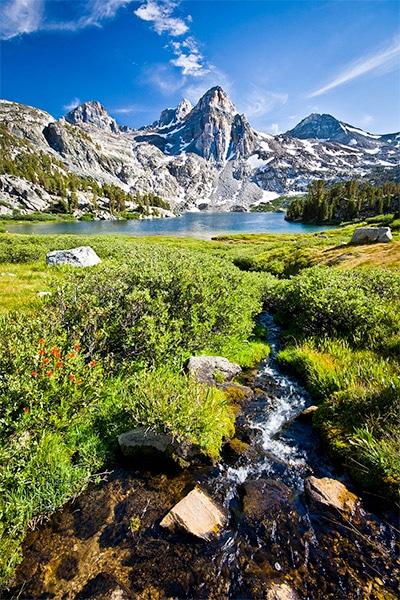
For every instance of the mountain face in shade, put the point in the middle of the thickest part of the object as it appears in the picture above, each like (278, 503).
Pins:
(92, 113)
(207, 156)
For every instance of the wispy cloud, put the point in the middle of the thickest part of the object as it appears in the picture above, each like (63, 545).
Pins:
(73, 104)
(160, 15)
(188, 56)
(260, 102)
(383, 61)
(19, 17)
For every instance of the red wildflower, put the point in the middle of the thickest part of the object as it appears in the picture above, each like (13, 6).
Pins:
(59, 364)
(55, 352)
(49, 373)
(72, 355)
(77, 347)
(72, 377)
(41, 341)
(46, 360)
(93, 363)
(42, 352)
(79, 382)
(34, 373)
(26, 409)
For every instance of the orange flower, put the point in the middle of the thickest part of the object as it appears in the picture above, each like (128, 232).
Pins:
(59, 364)
(34, 373)
(79, 382)
(55, 352)
(77, 347)
(72, 377)
(49, 373)
(42, 352)
(46, 360)
(72, 355)
(93, 363)
(26, 409)
(41, 341)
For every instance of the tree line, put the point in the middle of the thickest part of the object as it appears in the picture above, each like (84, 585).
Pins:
(344, 201)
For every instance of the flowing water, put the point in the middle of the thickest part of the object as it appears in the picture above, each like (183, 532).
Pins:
(108, 543)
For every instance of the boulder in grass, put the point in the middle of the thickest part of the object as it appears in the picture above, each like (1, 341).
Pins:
(83, 256)
(365, 235)
(212, 369)
(197, 514)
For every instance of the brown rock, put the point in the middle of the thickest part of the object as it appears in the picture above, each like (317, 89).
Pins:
(330, 492)
(197, 514)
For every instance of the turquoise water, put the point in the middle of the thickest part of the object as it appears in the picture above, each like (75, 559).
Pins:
(198, 225)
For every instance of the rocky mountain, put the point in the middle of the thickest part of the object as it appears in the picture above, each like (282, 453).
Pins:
(327, 128)
(207, 156)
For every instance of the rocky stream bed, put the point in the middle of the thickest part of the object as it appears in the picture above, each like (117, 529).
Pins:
(280, 542)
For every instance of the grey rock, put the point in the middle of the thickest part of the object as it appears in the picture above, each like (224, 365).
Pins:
(197, 514)
(365, 235)
(281, 591)
(212, 369)
(95, 114)
(83, 256)
(143, 443)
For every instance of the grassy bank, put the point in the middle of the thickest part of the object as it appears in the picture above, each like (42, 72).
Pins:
(105, 352)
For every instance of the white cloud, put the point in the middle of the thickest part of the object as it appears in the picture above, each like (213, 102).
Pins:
(20, 16)
(73, 104)
(274, 129)
(383, 61)
(28, 16)
(190, 64)
(260, 102)
(159, 14)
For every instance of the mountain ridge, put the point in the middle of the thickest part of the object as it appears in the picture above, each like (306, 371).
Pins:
(203, 156)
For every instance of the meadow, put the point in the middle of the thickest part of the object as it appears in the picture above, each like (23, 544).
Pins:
(105, 351)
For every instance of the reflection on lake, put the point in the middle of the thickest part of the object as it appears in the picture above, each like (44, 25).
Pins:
(198, 225)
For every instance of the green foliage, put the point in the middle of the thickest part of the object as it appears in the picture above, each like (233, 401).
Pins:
(344, 201)
(157, 301)
(359, 305)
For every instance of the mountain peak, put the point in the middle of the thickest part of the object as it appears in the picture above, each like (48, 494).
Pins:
(93, 113)
(216, 98)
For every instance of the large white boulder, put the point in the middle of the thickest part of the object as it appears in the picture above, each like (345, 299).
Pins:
(363, 235)
(212, 369)
(83, 256)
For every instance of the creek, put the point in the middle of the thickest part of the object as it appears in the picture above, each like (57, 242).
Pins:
(108, 544)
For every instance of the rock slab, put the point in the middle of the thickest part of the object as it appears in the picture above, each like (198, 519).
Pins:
(197, 514)
(83, 256)
(330, 492)
(212, 369)
(363, 235)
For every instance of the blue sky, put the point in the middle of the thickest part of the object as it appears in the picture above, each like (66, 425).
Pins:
(279, 61)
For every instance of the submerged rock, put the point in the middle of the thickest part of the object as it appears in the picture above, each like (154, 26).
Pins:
(330, 492)
(197, 514)
(83, 256)
(212, 369)
(281, 591)
(363, 235)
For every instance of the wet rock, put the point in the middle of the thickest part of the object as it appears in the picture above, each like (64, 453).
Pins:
(83, 256)
(103, 587)
(281, 591)
(330, 492)
(363, 235)
(264, 499)
(197, 514)
(212, 369)
(307, 413)
(147, 445)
